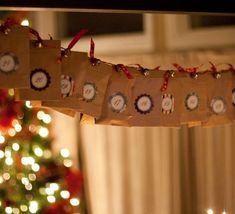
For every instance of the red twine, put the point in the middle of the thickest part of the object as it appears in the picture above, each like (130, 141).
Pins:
(166, 77)
(7, 24)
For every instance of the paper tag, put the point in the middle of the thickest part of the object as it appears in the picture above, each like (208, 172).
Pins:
(39, 79)
(8, 62)
(192, 102)
(144, 104)
(233, 96)
(167, 103)
(218, 105)
(67, 86)
(118, 102)
(89, 91)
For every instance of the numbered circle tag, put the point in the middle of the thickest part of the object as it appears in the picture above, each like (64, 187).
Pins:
(67, 86)
(167, 103)
(117, 102)
(233, 97)
(218, 105)
(8, 62)
(144, 104)
(192, 101)
(89, 91)
(39, 79)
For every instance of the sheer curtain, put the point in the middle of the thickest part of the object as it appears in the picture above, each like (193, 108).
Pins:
(160, 170)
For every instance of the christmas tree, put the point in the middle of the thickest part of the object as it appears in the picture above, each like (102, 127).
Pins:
(32, 180)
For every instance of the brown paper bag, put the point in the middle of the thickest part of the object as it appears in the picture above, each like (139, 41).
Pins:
(195, 99)
(14, 58)
(45, 72)
(151, 106)
(93, 88)
(117, 103)
(73, 69)
(219, 103)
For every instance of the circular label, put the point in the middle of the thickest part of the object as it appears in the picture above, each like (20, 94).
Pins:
(8, 62)
(117, 102)
(167, 103)
(218, 105)
(89, 91)
(233, 96)
(40, 79)
(144, 104)
(192, 102)
(66, 86)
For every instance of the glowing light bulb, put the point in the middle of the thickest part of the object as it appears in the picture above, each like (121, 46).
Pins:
(32, 177)
(23, 208)
(33, 206)
(40, 115)
(25, 180)
(9, 161)
(18, 127)
(29, 187)
(46, 118)
(51, 198)
(1, 154)
(224, 212)
(6, 176)
(210, 211)
(35, 167)
(43, 132)
(15, 146)
(68, 162)
(12, 132)
(8, 210)
(54, 186)
(11, 92)
(47, 154)
(65, 194)
(1, 180)
(65, 153)
(2, 139)
(24, 160)
(25, 22)
(28, 104)
(74, 202)
(38, 151)
(15, 211)
(31, 160)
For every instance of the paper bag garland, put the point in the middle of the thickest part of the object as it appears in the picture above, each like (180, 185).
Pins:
(73, 68)
(14, 57)
(45, 72)
(153, 107)
(219, 103)
(117, 106)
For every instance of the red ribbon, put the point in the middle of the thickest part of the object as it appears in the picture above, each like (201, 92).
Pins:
(186, 70)
(92, 49)
(76, 38)
(8, 23)
(125, 70)
(166, 77)
(213, 68)
(36, 34)
(231, 68)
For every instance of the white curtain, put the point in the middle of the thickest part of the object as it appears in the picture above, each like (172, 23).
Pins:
(160, 170)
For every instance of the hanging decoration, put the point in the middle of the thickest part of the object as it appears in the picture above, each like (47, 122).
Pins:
(113, 94)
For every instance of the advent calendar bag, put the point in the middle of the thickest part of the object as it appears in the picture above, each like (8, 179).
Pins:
(93, 87)
(195, 99)
(45, 72)
(117, 103)
(14, 57)
(219, 103)
(152, 107)
(73, 68)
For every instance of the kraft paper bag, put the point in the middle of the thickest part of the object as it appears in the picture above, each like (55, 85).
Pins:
(73, 69)
(93, 88)
(153, 107)
(195, 99)
(117, 103)
(219, 103)
(14, 58)
(45, 72)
